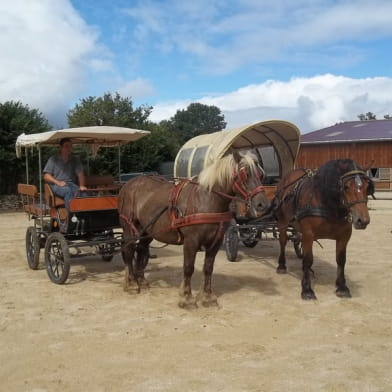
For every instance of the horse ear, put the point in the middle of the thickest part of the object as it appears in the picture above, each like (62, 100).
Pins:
(236, 155)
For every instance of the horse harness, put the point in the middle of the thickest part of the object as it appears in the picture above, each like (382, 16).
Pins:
(180, 219)
(310, 210)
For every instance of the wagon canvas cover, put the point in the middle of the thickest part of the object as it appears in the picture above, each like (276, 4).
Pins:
(96, 136)
(282, 137)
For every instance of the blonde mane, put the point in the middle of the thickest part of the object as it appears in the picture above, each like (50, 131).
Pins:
(221, 172)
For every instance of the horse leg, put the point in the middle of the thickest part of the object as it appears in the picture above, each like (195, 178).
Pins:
(206, 296)
(141, 261)
(307, 262)
(341, 289)
(186, 298)
(282, 269)
(128, 252)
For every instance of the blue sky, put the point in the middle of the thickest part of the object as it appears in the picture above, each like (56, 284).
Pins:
(312, 62)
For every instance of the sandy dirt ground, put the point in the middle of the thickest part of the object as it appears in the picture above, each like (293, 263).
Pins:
(90, 335)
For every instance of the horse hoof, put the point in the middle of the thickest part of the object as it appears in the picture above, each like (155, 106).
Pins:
(281, 270)
(187, 303)
(308, 295)
(209, 300)
(131, 286)
(343, 293)
(143, 284)
(210, 303)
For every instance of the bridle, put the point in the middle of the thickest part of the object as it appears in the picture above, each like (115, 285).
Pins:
(358, 176)
(240, 178)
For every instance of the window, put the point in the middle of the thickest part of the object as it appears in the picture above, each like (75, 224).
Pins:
(198, 160)
(379, 173)
(270, 163)
(182, 163)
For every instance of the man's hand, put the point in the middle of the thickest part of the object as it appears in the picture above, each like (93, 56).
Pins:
(82, 188)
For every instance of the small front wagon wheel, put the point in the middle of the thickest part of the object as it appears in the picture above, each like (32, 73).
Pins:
(231, 242)
(57, 259)
(32, 247)
(298, 248)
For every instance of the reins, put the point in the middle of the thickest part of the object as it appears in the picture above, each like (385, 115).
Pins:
(178, 220)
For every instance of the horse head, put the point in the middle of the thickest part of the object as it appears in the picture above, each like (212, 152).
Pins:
(355, 187)
(247, 185)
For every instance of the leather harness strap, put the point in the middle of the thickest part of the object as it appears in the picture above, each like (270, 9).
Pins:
(177, 219)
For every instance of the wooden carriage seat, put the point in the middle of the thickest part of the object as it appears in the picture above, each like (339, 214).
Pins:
(101, 183)
(51, 199)
(56, 203)
(30, 200)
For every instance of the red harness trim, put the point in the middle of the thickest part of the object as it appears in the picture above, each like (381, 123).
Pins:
(200, 218)
(191, 219)
(195, 218)
(134, 230)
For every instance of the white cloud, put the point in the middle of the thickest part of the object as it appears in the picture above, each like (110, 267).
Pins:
(47, 49)
(221, 39)
(137, 89)
(310, 103)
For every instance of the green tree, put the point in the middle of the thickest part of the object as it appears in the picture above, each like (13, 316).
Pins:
(16, 118)
(143, 155)
(108, 110)
(197, 119)
(367, 116)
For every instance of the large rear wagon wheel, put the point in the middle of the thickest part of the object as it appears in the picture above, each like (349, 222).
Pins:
(57, 258)
(32, 247)
(231, 242)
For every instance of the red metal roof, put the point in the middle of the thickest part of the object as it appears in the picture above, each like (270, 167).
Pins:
(351, 131)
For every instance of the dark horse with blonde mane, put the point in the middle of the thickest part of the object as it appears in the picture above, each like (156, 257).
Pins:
(194, 213)
(322, 205)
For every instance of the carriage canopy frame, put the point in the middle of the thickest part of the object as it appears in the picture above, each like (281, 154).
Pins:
(279, 139)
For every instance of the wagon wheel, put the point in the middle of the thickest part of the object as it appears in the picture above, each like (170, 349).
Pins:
(32, 247)
(250, 243)
(106, 251)
(57, 259)
(107, 258)
(231, 241)
(298, 248)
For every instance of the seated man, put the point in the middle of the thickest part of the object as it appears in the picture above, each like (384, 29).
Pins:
(63, 172)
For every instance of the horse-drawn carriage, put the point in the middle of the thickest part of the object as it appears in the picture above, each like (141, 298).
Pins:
(91, 226)
(306, 205)
(276, 145)
(230, 167)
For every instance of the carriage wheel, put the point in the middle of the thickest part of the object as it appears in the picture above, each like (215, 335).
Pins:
(107, 258)
(106, 251)
(32, 247)
(298, 248)
(57, 259)
(250, 243)
(231, 241)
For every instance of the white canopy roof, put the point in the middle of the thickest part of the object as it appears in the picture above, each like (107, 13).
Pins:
(201, 151)
(96, 136)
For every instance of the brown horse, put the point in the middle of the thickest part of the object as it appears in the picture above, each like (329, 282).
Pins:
(194, 213)
(322, 205)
